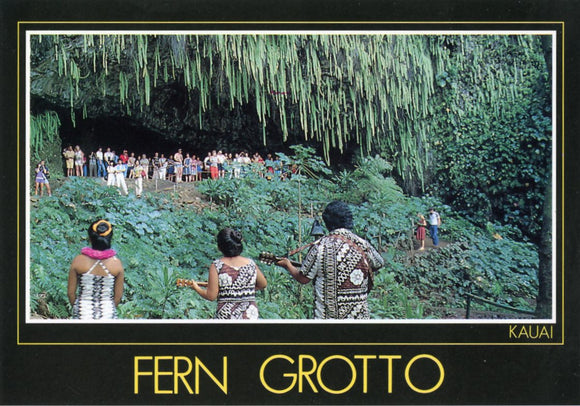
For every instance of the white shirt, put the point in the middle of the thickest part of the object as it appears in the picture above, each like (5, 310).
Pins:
(434, 218)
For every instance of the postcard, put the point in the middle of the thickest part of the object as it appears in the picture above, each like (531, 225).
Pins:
(356, 209)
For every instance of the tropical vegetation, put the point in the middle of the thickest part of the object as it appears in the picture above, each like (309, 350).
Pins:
(161, 239)
(397, 122)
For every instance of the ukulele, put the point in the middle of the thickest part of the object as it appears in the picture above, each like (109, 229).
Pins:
(188, 282)
(269, 258)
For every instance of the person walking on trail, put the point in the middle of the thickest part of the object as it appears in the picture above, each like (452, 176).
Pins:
(434, 223)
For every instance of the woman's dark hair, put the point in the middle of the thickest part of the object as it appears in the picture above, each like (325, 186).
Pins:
(100, 235)
(337, 215)
(229, 242)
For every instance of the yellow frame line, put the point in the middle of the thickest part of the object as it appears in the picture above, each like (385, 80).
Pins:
(18, 200)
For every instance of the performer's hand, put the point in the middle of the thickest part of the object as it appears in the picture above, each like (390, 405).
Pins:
(193, 285)
(284, 263)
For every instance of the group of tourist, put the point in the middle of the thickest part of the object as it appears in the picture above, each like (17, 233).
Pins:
(177, 167)
(341, 266)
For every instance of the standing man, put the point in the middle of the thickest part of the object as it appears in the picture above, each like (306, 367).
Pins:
(341, 264)
(92, 165)
(69, 156)
(434, 223)
(144, 161)
(221, 161)
(131, 164)
(178, 158)
(101, 169)
(109, 155)
(155, 164)
(162, 167)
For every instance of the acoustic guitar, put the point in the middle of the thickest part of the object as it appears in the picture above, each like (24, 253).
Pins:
(271, 259)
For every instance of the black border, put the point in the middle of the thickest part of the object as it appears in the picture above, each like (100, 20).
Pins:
(103, 372)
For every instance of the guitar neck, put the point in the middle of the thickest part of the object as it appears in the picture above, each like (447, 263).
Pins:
(271, 259)
(188, 282)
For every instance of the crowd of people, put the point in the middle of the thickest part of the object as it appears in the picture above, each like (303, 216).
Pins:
(177, 167)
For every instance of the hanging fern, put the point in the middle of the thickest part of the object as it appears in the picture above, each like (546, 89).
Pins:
(44, 128)
(371, 89)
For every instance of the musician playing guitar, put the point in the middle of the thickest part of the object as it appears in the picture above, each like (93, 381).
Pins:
(341, 264)
(233, 280)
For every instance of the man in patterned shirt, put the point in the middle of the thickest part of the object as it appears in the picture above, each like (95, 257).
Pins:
(341, 265)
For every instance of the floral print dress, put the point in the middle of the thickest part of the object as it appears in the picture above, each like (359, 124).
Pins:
(237, 291)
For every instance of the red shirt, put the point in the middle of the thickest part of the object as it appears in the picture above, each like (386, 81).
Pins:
(124, 158)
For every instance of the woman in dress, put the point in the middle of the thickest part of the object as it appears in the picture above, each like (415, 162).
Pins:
(79, 161)
(187, 168)
(420, 233)
(98, 275)
(93, 165)
(233, 280)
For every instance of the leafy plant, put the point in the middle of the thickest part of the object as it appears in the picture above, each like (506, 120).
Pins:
(159, 241)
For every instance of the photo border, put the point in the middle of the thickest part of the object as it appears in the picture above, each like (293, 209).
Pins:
(27, 329)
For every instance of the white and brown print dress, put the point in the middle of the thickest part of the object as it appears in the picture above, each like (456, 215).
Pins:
(339, 265)
(237, 291)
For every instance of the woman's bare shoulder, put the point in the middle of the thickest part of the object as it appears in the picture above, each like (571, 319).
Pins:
(114, 263)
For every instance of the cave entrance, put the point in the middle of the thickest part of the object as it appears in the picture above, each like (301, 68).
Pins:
(116, 133)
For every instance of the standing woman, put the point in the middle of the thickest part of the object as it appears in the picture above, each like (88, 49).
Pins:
(41, 179)
(420, 233)
(187, 168)
(79, 161)
(93, 165)
(233, 280)
(99, 276)
(137, 173)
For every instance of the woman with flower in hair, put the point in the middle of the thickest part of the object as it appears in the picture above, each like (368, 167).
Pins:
(98, 276)
(233, 280)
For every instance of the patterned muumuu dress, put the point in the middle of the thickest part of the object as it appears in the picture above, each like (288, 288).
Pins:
(237, 291)
(96, 295)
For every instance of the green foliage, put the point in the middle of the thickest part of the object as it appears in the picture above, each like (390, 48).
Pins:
(493, 130)
(44, 128)
(334, 89)
(466, 118)
(45, 142)
(159, 242)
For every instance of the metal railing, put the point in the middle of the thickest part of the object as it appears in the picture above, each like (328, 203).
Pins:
(471, 297)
